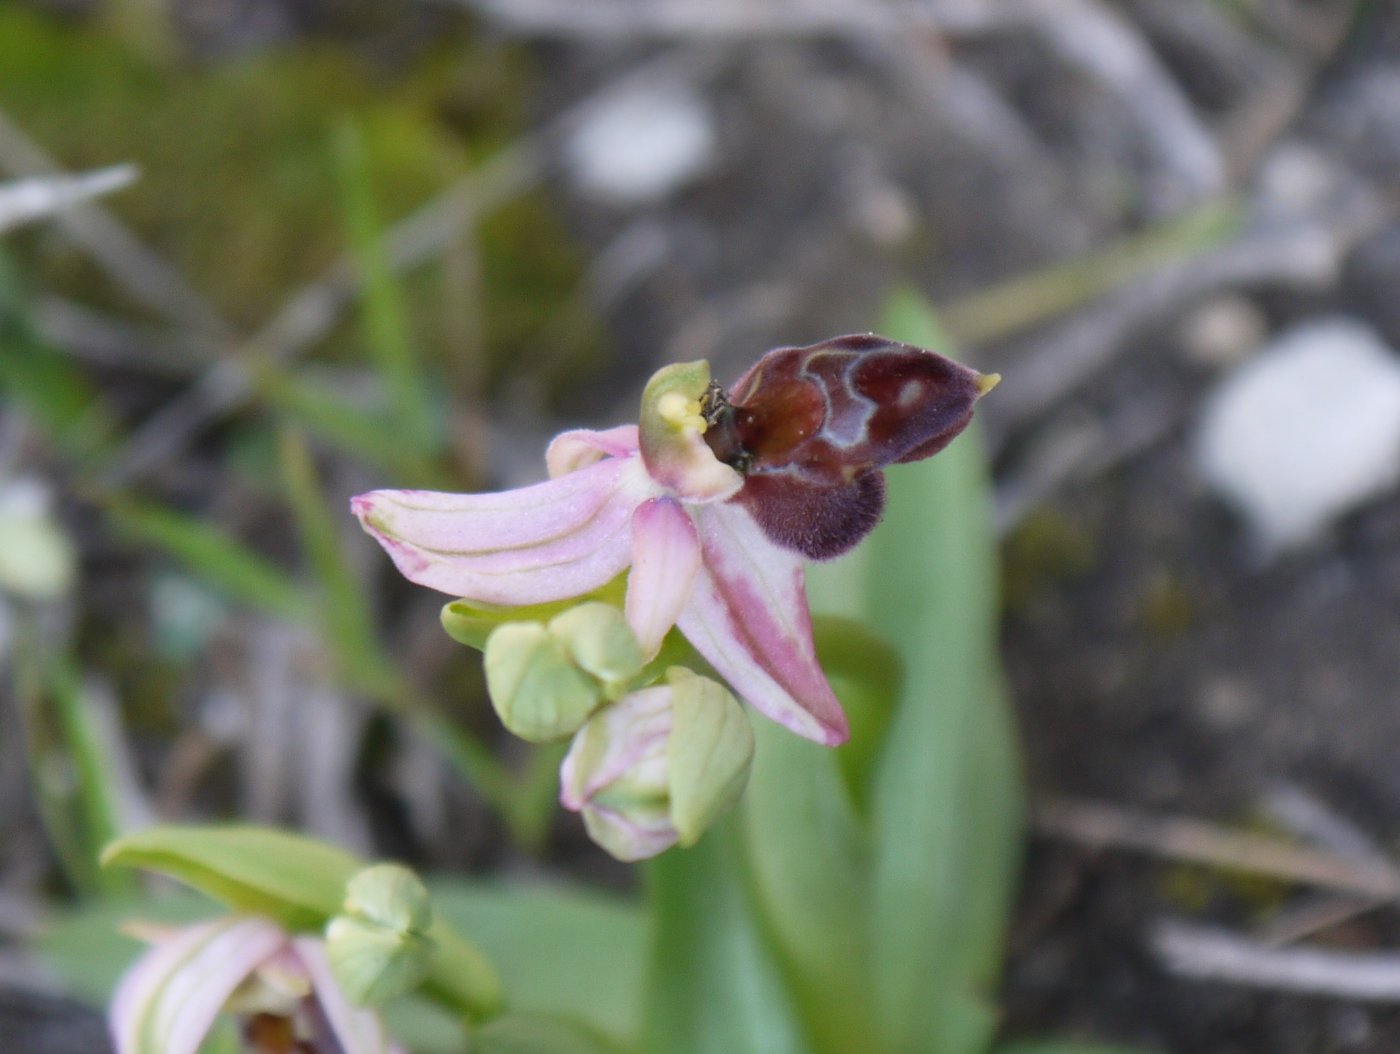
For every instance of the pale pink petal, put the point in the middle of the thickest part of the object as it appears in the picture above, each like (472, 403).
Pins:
(748, 616)
(554, 540)
(167, 1003)
(571, 451)
(665, 561)
(619, 738)
(357, 1031)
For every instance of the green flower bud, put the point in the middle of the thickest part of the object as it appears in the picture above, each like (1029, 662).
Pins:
(599, 641)
(378, 947)
(658, 767)
(535, 687)
(711, 749)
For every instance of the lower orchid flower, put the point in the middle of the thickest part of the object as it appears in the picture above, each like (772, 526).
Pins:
(712, 501)
(280, 988)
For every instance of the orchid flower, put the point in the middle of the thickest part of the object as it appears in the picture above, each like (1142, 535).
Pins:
(713, 501)
(280, 987)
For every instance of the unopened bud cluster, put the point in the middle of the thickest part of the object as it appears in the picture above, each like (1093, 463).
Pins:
(651, 765)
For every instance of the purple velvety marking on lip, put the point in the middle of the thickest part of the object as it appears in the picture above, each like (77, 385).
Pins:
(811, 427)
(818, 522)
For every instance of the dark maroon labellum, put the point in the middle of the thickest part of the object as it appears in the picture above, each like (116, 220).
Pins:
(811, 428)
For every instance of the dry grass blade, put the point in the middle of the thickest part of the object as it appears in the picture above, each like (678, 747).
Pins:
(1177, 838)
(1216, 955)
(26, 200)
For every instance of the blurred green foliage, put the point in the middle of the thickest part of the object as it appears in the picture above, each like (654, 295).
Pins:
(238, 174)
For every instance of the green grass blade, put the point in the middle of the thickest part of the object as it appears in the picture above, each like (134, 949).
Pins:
(344, 612)
(387, 330)
(214, 556)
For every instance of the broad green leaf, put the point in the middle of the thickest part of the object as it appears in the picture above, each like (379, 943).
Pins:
(866, 674)
(299, 882)
(713, 986)
(563, 953)
(946, 814)
(216, 557)
(808, 861)
(515, 1034)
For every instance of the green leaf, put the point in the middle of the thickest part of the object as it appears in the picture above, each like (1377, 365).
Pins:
(299, 882)
(714, 986)
(366, 433)
(217, 558)
(344, 606)
(947, 808)
(563, 953)
(538, 1035)
(808, 861)
(96, 805)
(866, 674)
(415, 420)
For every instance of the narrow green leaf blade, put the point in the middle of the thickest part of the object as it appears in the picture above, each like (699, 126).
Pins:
(215, 556)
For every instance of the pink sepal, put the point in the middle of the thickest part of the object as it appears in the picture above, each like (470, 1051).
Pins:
(558, 539)
(167, 1003)
(748, 616)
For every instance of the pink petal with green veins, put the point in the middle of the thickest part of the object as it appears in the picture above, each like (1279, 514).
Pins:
(558, 539)
(357, 1031)
(748, 616)
(571, 451)
(665, 561)
(167, 1003)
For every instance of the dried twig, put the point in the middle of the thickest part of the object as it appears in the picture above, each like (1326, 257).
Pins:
(630, 19)
(129, 263)
(1306, 253)
(1212, 954)
(26, 200)
(1177, 838)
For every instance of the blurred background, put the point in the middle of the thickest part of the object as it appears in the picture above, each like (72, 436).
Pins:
(369, 244)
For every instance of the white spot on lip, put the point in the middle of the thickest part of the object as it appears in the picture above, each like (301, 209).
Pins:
(911, 392)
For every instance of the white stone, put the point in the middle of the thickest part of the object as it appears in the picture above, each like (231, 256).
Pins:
(37, 560)
(640, 144)
(1306, 431)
